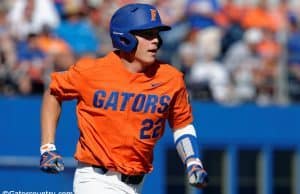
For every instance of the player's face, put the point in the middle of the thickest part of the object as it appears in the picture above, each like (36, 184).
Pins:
(148, 43)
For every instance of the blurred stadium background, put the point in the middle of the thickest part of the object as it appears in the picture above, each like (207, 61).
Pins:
(241, 61)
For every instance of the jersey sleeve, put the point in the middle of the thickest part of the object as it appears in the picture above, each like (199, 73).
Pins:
(66, 85)
(180, 112)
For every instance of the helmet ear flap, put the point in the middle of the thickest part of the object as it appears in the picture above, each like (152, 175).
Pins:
(125, 41)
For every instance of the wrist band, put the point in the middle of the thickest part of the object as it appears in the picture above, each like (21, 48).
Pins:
(197, 161)
(47, 147)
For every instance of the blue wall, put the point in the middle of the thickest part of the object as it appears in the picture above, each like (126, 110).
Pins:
(218, 126)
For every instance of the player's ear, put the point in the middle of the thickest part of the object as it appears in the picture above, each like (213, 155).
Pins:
(160, 42)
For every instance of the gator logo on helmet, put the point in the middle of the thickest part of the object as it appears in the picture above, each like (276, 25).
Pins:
(153, 14)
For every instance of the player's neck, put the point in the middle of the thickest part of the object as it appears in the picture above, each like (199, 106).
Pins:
(131, 64)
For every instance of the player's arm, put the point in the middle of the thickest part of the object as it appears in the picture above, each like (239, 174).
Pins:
(50, 113)
(187, 147)
(50, 161)
(180, 119)
(64, 86)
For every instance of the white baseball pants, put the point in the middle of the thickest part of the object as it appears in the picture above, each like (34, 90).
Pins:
(91, 180)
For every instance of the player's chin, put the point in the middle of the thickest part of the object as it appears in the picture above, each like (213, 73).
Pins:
(149, 60)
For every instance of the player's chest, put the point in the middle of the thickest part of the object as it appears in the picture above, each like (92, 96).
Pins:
(140, 96)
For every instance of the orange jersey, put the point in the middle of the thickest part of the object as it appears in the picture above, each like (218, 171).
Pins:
(121, 115)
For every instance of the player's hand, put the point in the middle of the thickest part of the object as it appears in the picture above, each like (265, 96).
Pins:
(51, 162)
(197, 176)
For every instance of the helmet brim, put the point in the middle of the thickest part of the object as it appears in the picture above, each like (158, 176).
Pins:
(160, 28)
(164, 28)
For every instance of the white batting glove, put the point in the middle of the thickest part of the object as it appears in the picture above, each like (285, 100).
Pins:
(197, 176)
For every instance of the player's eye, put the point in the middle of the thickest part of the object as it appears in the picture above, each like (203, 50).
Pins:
(147, 34)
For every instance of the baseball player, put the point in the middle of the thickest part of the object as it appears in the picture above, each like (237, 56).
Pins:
(123, 102)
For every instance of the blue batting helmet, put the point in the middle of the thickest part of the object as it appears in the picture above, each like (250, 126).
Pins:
(133, 17)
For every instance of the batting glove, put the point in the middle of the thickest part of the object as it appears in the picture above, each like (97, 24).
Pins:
(51, 161)
(197, 176)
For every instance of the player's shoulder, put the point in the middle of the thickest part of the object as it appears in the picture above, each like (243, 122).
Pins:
(168, 70)
(86, 63)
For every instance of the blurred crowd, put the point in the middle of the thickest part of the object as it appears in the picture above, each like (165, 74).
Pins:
(229, 51)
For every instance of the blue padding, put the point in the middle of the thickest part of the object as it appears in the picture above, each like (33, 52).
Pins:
(194, 143)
